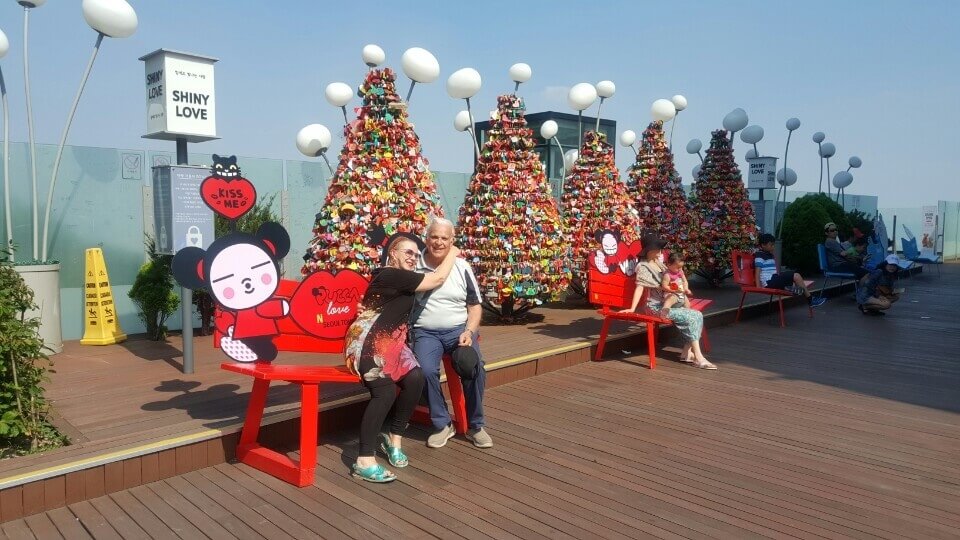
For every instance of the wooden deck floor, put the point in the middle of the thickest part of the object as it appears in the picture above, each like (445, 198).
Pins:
(844, 426)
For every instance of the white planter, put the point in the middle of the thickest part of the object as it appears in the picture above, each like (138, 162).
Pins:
(44, 280)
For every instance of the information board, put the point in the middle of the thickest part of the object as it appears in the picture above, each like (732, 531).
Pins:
(181, 217)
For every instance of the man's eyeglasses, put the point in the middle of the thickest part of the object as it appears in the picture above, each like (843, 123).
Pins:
(411, 253)
(831, 230)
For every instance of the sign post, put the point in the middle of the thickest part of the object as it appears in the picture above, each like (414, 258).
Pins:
(181, 106)
(762, 175)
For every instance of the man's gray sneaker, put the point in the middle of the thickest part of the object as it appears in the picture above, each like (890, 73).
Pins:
(480, 438)
(440, 438)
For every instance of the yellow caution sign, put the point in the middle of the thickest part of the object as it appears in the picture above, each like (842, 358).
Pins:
(101, 326)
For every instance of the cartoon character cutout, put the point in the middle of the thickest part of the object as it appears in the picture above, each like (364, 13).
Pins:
(614, 253)
(241, 273)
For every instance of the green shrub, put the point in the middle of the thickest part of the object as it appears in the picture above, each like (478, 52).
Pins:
(153, 294)
(803, 223)
(24, 427)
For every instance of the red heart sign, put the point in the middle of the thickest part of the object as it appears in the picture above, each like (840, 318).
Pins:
(229, 198)
(325, 304)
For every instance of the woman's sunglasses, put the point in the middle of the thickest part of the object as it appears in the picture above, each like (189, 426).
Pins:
(411, 253)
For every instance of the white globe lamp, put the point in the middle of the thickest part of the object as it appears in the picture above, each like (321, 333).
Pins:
(679, 102)
(373, 55)
(663, 110)
(313, 140)
(112, 18)
(549, 129)
(420, 66)
(339, 94)
(627, 138)
(519, 74)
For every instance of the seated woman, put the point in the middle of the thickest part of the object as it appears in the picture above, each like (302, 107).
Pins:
(688, 321)
(877, 292)
(377, 352)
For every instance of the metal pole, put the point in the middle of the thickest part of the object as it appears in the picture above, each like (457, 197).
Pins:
(6, 167)
(579, 129)
(820, 186)
(410, 91)
(563, 165)
(186, 295)
(673, 124)
(63, 142)
(828, 178)
(599, 108)
(33, 151)
(344, 109)
(327, 161)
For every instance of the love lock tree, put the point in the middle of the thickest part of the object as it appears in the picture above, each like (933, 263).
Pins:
(382, 179)
(727, 221)
(658, 195)
(509, 226)
(594, 199)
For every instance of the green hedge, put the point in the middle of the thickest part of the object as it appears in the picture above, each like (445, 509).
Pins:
(803, 224)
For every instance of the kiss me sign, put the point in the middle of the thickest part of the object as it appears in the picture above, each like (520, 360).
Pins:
(229, 198)
(325, 304)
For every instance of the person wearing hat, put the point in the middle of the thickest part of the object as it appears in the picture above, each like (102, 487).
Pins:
(447, 321)
(688, 321)
(377, 352)
(877, 293)
(837, 260)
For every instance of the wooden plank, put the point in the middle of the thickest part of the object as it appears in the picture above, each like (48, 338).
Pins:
(11, 503)
(142, 516)
(42, 527)
(67, 524)
(234, 491)
(118, 519)
(75, 487)
(164, 512)
(17, 530)
(167, 463)
(113, 476)
(241, 515)
(187, 509)
(184, 459)
(54, 492)
(92, 521)
(33, 498)
(94, 482)
(149, 468)
(131, 473)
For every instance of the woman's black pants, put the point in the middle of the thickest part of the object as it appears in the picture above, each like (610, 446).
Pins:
(384, 401)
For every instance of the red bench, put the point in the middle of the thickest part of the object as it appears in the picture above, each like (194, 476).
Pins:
(744, 273)
(614, 291)
(308, 378)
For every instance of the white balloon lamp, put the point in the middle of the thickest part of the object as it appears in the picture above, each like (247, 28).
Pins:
(786, 177)
(339, 94)
(605, 89)
(581, 96)
(818, 138)
(734, 121)
(464, 122)
(663, 110)
(827, 150)
(313, 140)
(110, 18)
(549, 130)
(840, 181)
(627, 138)
(464, 84)
(792, 125)
(694, 147)
(519, 74)
(854, 163)
(679, 102)
(752, 135)
(696, 171)
(373, 55)
(420, 66)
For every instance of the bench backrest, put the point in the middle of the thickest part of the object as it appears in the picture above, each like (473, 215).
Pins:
(294, 338)
(875, 254)
(822, 257)
(614, 290)
(743, 268)
(910, 250)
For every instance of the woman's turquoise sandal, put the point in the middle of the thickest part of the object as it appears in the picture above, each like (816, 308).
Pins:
(395, 455)
(374, 473)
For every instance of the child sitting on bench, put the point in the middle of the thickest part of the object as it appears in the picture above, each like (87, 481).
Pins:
(674, 284)
(768, 277)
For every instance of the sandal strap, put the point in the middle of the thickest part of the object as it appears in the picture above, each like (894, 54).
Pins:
(374, 472)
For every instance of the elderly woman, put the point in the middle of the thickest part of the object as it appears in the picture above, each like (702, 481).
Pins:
(377, 352)
(688, 321)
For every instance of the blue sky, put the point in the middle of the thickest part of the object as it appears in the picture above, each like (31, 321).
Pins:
(880, 78)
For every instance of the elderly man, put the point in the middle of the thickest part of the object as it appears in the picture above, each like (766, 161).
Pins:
(443, 320)
(837, 260)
